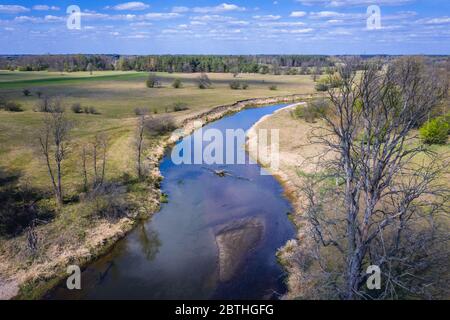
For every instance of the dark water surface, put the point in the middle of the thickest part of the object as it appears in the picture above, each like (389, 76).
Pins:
(175, 255)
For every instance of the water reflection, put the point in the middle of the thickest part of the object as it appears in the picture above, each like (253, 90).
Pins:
(149, 240)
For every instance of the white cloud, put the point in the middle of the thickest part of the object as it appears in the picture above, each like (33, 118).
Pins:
(32, 19)
(51, 18)
(238, 23)
(44, 7)
(141, 24)
(161, 16)
(137, 36)
(180, 9)
(221, 8)
(198, 23)
(11, 9)
(269, 17)
(440, 20)
(340, 32)
(133, 5)
(130, 17)
(351, 3)
(325, 14)
(215, 17)
(298, 14)
(27, 19)
(334, 21)
(280, 24)
(306, 30)
(334, 15)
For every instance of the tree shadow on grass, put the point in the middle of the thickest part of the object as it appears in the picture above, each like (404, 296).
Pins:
(19, 205)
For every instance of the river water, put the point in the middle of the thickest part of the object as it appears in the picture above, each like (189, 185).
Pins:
(216, 238)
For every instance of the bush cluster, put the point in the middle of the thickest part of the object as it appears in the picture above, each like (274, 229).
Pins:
(203, 81)
(435, 131)
(160, 125)
(77, 108)
(237, 85)
(313, 110)
(10, 106)
(152, 81)
(177, 84)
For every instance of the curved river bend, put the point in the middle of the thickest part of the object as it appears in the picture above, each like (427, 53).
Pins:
(216, 238)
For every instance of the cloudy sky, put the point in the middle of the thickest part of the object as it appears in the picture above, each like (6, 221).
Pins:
(231, 27)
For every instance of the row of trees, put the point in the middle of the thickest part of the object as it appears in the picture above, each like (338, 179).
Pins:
(227, 64)
(61, 63)
(167, 63)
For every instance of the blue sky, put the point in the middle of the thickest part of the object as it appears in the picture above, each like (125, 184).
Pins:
(230, 27)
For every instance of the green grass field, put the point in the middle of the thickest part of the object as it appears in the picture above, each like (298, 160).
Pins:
(115, 95)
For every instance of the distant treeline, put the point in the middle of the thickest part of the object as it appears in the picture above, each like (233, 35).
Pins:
(168, 63)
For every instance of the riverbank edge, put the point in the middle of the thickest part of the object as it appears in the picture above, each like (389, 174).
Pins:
(290, 191)
(38, 286)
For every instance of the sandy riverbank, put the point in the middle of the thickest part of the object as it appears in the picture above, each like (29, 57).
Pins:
(297, 157)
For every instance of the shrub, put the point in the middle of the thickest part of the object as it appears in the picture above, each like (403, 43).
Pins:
(435, 131)
(13, 107)
(447, 119)
(47, 104)
(2, 102)
(314, 109)
(25, 68)
(152, 81)
(334, 81)
(320, 107)
(328, 82)
(177, 84)
(180, 106)
(305, 112)
(203, 81)
(160, 125)
(26, 92)
(39, 94)
(76, 108)
(245, 86)
(235, 85)
(321, 87)
(273, 87)
(141, 111)
(10, 106)
(93, 110)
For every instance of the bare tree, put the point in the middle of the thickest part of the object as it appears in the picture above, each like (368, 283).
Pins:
(103, 142)
(90, 68)
(99, 162)
(140, 144)
(94, 159)
(203, 81)
(384, 205)
(84, 164)
(53, 141)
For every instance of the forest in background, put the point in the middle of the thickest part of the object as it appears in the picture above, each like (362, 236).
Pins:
(264, 64)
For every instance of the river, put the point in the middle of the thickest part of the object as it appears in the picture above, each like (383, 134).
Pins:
(216, 238)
